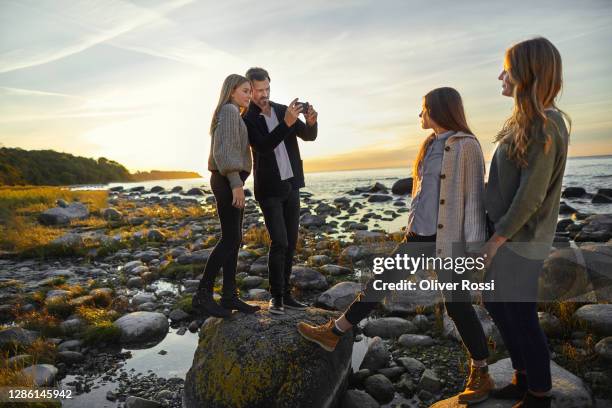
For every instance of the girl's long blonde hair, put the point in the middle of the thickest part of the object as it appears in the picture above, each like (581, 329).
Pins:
(230, 84)
(445, 106)
(534, 69)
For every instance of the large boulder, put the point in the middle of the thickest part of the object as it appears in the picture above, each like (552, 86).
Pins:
(402, 186)
(388, 327)
(339, 296)
(142, 327)
(64, 215)
(578, 274)
(260, 360)
(367, 251)
(42, 375)
(596, 317)
(598, 228)
(17, 336)
(568, 390)
(307, 278)
(402, 302)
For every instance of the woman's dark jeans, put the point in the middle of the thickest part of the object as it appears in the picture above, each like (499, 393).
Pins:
(460, 309)
(225, 253)
(515, 313)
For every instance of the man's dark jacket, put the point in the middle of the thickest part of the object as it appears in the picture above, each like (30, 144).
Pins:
(266, 173)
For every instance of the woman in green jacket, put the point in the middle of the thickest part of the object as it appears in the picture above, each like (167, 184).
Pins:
(522, 203)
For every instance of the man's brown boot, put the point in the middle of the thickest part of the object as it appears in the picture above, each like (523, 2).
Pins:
(324, 335)
(478, 386)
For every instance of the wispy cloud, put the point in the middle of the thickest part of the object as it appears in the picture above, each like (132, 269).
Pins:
(78, 26)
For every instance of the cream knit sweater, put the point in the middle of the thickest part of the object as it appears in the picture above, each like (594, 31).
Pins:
(461, 213)
(229, 146)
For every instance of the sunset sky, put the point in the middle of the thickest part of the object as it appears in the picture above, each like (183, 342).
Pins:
(136, 81)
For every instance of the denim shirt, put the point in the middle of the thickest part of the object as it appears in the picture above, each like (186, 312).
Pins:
(423, 217)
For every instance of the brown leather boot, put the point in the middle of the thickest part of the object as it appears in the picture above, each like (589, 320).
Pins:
(478, 386)
(323, 335)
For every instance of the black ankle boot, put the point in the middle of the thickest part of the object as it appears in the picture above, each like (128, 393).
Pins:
(515, 390)
(532, 401)
(233, 302)
(203, 303)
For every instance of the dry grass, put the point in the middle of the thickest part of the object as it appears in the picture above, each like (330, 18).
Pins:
(41, 352)
(19, 206)
(171, 211)
(257, 236)
(94, 315)
(40, 321)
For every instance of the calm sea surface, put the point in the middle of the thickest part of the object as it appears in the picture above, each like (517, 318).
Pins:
(591, 173)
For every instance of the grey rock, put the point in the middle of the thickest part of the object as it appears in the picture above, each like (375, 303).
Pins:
(573, 192)
(603, 348)
(354, 253)
(140, 327)
(429, 381)
(258, 294)
(178, 315)
(377, 355)
(411, 340)
(252, 345)
(358, 399)
(57, 293)
(141, 298)
(550, 324)
(379, 198)
(421, 322)
(111, 214)
(135, 282)
(137, 402)
(60, 272)
(71, 327)
(568, 390)
(130, 266)
(597, 317)
(402, 186)
(306, 278)
(147, 307)
(412, 365)
(319, 260)
(388, 327)
(601, 199)
(251, 282)
(70, 357)
(335, 270)
(42, 374)
(17, 336)
(368, 236)
(310, 220)
(379, 387)
(70, 345)
(339, 296)
(71, 240)
(156, 235)
(63, 216)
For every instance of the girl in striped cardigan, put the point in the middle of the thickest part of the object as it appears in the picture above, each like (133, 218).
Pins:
(447, 219)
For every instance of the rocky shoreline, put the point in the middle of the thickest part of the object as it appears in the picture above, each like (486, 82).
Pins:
(126, 284)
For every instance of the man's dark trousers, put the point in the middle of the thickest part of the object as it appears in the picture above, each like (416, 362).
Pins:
(282, 217)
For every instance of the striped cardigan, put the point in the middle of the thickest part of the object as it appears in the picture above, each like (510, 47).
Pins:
(461, 213)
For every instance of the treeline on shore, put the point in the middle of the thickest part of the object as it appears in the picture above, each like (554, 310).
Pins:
(51, 168)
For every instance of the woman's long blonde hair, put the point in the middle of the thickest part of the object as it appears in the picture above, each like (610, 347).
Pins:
(230, 84)
(534, 69)
(445, 107)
